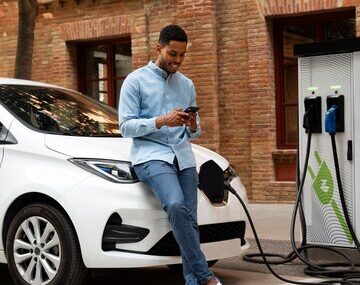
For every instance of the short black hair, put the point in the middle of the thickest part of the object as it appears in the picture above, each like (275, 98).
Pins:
(172, 33)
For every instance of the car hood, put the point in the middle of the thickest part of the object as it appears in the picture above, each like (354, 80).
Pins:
(90, 147)
(203, 154)
(114, 148)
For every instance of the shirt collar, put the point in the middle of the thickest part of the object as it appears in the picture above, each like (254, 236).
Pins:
(162, 73)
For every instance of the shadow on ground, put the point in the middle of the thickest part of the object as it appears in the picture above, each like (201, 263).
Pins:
(155, 275)
(162, 275)
(295, 268)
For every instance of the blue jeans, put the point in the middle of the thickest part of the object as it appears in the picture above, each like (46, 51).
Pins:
(177, 192)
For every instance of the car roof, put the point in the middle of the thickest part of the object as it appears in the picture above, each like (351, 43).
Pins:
(13, 81)
(23, 82)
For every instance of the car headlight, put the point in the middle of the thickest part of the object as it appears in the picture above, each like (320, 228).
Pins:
(111, 170)
(230, 173)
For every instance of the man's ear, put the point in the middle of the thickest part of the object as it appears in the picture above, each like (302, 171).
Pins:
(159, 47)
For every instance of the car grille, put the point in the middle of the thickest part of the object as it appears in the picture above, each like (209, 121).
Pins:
(167, 246)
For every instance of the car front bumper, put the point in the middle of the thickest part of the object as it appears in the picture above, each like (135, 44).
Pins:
(138, 207)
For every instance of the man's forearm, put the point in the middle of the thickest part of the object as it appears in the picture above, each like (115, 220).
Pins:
(133, 128)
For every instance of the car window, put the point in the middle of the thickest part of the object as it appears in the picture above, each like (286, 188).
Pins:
(59, 111)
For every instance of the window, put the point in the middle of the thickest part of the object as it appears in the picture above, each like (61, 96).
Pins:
(61, 112)
(287, 33)
(103, 67)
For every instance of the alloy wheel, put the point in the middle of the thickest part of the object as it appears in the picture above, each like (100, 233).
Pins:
(37, 251)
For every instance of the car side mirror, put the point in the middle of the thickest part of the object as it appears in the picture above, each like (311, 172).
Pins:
(6, 137)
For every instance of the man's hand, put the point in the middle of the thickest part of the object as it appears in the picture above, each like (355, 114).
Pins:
(176, 118)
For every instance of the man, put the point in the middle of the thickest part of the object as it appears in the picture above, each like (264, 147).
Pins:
(151, 112)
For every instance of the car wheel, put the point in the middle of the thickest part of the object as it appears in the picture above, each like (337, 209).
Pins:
(178, 267)
(42, 248)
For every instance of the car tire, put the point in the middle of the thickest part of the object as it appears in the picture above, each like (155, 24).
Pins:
(178, 267)
(42, 248)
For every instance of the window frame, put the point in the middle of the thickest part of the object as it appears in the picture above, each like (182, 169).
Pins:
(110, 50)
(278, 26)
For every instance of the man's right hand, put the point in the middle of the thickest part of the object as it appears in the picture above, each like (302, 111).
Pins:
(175, 118)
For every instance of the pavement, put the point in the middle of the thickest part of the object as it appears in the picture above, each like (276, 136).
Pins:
(272, 222)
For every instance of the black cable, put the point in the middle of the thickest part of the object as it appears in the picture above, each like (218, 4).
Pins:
(267, 263)
(314, 269)
(349, 274)
(292, 255)
(263, 255)
(341, 192)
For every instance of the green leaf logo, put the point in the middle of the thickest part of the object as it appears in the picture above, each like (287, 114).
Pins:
(323, 186)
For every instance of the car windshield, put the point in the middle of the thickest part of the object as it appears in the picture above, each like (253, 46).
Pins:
(59, 111)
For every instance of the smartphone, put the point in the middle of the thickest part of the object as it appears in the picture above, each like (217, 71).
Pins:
(191, 109)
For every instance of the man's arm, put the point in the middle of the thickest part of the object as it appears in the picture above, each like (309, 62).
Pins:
(131, 125)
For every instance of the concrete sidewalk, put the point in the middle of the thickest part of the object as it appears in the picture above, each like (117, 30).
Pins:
(272, 224)
(272, 221)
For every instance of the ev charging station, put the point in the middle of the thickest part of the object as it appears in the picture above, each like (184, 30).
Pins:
(329, 77)
(328, 164)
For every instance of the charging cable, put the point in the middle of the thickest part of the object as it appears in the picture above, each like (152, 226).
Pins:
(348, 274)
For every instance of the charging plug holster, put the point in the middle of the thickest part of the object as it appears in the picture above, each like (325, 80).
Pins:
(312, 115)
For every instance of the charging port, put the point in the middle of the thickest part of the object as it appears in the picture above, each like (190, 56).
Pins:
(312, 116)
(332, 100)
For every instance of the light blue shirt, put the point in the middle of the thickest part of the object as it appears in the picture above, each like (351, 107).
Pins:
(147, 93)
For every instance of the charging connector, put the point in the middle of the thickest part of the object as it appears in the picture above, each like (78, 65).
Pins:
(338, 101)
(312, 115)
(330, 120)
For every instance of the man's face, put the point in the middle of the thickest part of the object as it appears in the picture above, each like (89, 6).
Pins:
(171, 55)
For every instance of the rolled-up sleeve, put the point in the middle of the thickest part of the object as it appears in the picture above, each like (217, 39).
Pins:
(130, 123)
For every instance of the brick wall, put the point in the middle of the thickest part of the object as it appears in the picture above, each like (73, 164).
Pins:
(261, 89)
(230, 60)
(198, 19)
(233, 97)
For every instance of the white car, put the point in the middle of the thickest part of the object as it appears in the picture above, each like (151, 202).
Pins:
(69, 199)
